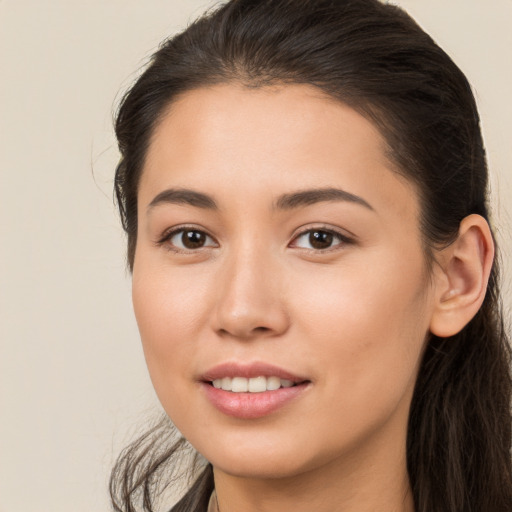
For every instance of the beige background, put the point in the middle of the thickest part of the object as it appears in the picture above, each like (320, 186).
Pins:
(73, 386)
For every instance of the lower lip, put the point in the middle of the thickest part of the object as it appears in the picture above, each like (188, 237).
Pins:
(250, 406)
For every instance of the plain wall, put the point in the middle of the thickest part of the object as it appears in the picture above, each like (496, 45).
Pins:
(73, 384)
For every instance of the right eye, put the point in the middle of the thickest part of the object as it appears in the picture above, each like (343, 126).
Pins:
(188, 239)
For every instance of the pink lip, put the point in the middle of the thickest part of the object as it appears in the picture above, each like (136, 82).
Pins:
(248, 370)
(251, 405)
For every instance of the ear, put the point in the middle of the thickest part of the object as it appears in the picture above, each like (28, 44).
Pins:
(461, 277)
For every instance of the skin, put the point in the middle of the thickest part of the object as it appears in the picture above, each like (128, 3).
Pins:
(352, 318)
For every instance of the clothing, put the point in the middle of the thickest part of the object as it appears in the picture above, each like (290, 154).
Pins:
(212, 504)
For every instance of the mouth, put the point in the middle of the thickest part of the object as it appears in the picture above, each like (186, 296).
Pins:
(254, 384)
(252, 390)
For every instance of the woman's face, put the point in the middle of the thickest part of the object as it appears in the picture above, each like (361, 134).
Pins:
(276, 241)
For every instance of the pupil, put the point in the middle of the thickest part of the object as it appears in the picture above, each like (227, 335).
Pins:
(193, 239)
(320, 239)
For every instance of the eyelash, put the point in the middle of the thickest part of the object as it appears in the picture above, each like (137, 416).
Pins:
(341, 238)
(336, 235)
(168, 235)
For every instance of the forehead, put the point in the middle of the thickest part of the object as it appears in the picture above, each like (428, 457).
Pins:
(249, 119)
(230, 139)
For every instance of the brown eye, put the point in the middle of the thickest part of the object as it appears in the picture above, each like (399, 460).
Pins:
(320, 239)
(190, 239)
(193, 239)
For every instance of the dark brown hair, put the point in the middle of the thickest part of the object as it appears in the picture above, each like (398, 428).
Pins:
(376, 59)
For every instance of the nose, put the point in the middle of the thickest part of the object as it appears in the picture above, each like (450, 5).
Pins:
(251, 298)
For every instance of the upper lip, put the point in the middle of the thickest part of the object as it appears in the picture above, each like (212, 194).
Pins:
(249, 370)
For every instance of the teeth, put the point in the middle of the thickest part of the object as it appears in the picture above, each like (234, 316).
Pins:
(239, 385)
(273, 383)
(257, 385)
(252, 385)
(226, 383)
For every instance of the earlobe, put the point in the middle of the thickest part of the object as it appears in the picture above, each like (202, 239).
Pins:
(462, 278)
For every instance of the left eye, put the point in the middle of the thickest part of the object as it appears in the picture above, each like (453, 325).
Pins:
(190, 239)
(319, 239)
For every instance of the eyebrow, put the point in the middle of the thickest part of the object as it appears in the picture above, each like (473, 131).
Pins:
(318, 195)
(183, 196)
(284, 202)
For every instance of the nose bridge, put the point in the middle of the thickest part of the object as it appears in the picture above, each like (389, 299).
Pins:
(250, 300)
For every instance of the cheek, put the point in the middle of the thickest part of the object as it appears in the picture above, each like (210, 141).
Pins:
(168, 300)
(369, 322)
(170, 309)
(390, 294)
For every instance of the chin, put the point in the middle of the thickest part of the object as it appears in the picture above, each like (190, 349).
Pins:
(266, 460)
(263, 469)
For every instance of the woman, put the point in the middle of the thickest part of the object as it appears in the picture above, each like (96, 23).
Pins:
(304, 189)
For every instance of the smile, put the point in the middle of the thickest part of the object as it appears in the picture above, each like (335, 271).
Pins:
(251, 385)
(252, 390)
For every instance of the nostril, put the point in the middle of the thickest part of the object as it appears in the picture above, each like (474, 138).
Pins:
(261, 329)
(248, 322)
(249, 334)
